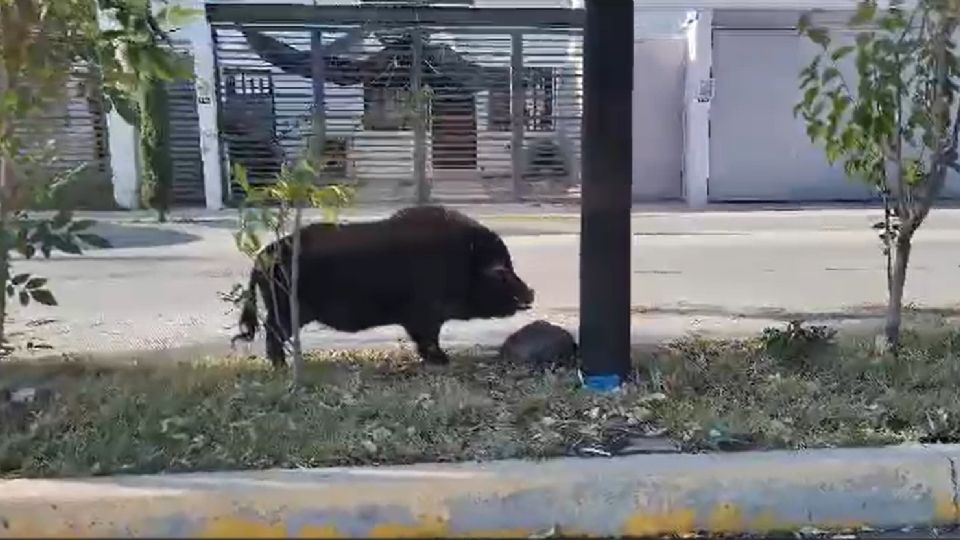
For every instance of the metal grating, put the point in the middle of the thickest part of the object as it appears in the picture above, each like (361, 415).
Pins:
(188, 189)
(75, 130)
(471, 117)
(185, 144)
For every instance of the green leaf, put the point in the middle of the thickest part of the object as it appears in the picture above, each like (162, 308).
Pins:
(803, 24)
(43, 296)
(865, 13)
(833, 152)
(36, 283)
(10, 290)
(820, 36)
(892, 23)
(124, 106)
(810, 95)
(841, 52)
(840, 104)
(248, 242)
(818, 107)
(24, 298)
(174, 16)
(808, 79)
(94, 240)
(240, 175)
(20, 279)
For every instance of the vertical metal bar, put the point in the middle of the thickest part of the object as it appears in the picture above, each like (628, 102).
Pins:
(317, 69)
(219, 96)
(419, 120)
(606, 197)
(517, 119)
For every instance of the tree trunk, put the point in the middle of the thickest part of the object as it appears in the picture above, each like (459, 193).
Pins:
(157, 179)
(6, 183)
(6, 180)
(294, 301)
(902, 248)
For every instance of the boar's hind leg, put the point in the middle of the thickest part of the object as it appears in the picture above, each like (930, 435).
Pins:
(427, 337)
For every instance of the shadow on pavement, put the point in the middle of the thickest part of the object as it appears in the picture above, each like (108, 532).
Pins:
(140, 236)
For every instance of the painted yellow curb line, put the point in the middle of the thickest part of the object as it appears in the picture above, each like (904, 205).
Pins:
(629, 496)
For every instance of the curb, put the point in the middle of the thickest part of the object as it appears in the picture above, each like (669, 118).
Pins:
(750, 492)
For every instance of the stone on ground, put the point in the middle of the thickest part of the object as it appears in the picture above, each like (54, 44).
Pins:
(540, 344)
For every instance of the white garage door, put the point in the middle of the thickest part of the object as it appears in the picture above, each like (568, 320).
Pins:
(758, 151)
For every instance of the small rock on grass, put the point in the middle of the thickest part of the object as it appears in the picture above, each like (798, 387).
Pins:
(17, 405)
(540, 344)
(27, 394)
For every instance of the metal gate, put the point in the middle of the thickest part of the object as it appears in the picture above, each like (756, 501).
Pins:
(373, 98)
(72, 136)
(759, 151)
(187, 161)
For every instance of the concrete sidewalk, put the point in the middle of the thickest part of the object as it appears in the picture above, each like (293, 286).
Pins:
(646, 219)
(636, 496)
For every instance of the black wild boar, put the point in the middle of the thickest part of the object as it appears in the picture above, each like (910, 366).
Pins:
(418, 268)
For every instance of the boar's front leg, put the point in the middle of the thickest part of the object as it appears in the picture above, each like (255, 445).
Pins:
(425, 334)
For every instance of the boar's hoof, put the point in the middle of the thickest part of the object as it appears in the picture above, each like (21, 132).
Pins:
(434, 355)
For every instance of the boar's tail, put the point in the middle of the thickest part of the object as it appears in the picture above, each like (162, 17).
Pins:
(248, 312)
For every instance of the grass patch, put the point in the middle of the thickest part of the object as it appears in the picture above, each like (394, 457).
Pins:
(785, 389)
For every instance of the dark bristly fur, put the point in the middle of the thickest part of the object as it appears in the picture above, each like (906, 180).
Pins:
(418, 268)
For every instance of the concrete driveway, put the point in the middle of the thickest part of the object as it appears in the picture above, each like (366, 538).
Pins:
(717, 273)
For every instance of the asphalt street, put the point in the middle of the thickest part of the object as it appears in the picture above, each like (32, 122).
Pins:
(716, 273)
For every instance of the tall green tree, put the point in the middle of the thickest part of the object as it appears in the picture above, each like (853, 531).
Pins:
(153, 127)
(895, 126)
(45, 45)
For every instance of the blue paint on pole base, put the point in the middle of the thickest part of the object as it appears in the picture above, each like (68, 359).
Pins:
(600, 383)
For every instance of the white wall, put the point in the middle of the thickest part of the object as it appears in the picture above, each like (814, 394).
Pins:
(755, 4)
(658, 90)
(660, 73)
(197, 34)
(122, 137)
(123, 145)
(659, 23)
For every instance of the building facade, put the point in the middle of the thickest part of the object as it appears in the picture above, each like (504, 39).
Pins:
(715, 82)
(266, 88)
(741, 142)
